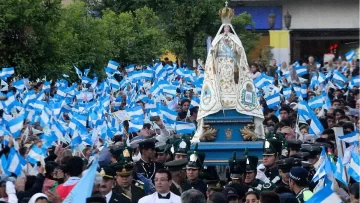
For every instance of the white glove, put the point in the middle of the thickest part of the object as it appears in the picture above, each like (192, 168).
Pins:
(10, 188)
(195, 140)
(261, 174)
(10, 191)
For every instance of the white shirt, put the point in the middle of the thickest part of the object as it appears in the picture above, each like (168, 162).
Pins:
(153, 198)
(108, 196)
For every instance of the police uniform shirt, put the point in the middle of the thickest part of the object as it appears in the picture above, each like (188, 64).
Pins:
(147, 169)
(272, 173)
(198, 185)
(136, 191)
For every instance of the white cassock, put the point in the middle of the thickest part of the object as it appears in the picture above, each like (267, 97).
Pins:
(154, 198)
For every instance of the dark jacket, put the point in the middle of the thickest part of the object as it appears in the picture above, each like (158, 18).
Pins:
(119, 198)
(36, 188)
(137, 192)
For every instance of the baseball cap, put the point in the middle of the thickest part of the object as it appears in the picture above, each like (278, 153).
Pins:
(230, 192)
(298, 174)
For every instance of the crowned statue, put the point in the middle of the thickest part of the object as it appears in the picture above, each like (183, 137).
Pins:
(227, 84)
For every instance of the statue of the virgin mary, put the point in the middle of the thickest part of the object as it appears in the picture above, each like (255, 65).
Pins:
(227, 84)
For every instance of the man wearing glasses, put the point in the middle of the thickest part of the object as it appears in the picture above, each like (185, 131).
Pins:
(163, 181)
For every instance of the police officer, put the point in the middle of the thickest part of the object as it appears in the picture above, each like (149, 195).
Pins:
(106, 187)
(284, 166)
(180, 148)
(237, 168)
(146, 165)
(177, 169)
(271, 153)
(193, 169)
(160, 153)
(293, 146)
(312, 158)
(299, 184)
(251, 164)
(125, 182)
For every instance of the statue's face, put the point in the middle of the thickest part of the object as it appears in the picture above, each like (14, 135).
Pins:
(226, 28)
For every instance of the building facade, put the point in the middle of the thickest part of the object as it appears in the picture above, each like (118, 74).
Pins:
(317, 27)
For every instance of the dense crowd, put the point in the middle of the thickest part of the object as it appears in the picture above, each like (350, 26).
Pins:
(127, 138)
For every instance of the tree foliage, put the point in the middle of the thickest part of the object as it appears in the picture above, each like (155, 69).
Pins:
(44, 39)
(40, 37)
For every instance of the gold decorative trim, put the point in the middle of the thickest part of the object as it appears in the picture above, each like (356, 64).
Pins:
(223, 161)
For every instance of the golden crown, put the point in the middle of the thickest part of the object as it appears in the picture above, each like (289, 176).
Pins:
(226, 14)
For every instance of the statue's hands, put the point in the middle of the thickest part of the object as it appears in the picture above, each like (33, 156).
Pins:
(195, 140)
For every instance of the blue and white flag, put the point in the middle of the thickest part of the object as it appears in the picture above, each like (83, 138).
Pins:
(36, 154)
(168, 114)
(354, 167)
(352, 137)
(287, 92)
(83, 188)
(316, 102)
(303, 91)
(314, 80)
(130, 68)
(113, 65)
(78, 72)
(135, 125)
(338, 76)
(350, 55)
(7, 72)
(301, 70)
(321, 77)
(184, 127)
(114, 84)
(355, 81)
(273, 100)
(170, 89)
(19, 85)
(15, 125)
(339, 173)
(325, 195)
(315, 125)
(15, 162)
(135, 112)
(263, 80)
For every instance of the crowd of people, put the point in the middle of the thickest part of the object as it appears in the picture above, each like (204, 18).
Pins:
(136, 126)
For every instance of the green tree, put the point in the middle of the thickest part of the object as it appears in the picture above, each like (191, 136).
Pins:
(24, 27)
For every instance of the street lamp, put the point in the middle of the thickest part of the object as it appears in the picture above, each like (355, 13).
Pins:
(271, 20)
(287, 19)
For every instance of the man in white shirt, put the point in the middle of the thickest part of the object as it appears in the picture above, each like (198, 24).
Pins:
(163, 181)
(106, 187)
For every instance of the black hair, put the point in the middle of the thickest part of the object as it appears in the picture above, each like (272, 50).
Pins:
(252, 193)
(354, 190)
(74, 166)
(218, 197)
(194, 110)
(348, 125)
(49, 168)
(342, 112)
(165, 171)
(269, 197)
(185, 100)
(282, 189)
(344, 117)
(147, 126)
(240, 189)
(285, 108)
(336, 100)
